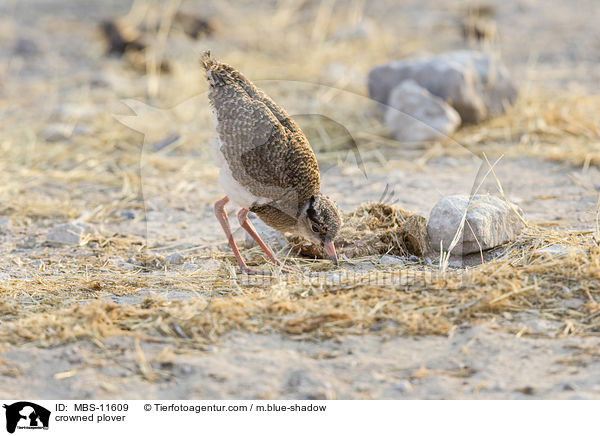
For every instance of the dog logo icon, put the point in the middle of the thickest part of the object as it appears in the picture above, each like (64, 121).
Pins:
(26, 415)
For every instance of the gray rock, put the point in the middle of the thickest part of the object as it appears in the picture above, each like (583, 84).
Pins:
(403, 386)
(555, 250)
(127, 213)
(175, 258)
(388, 259)
(190, 267)
(305, 385)
(489, 221)
(25, 47)
(5, 224)
(27, 243)
(57, 132)
(414, 114)
(273, 238)
(476, 84)
(80, 129)
(68, 233)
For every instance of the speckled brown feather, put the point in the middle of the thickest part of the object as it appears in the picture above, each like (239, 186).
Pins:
(265, 149)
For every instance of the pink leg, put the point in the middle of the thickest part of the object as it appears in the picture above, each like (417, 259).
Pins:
(221, 215)
(247, 225)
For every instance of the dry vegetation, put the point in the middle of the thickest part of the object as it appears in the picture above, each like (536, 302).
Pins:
(58, 294)
(413, 300)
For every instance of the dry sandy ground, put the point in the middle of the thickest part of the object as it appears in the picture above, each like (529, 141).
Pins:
(481, 361)
(474, 363)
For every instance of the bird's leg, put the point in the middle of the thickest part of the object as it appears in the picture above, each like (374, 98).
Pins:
(247, 225)
(221, 215)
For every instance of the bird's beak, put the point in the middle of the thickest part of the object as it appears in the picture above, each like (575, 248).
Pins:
(330, 250)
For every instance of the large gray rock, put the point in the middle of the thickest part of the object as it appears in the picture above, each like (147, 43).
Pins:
(414, 114)
(476, 84)
(489, 221)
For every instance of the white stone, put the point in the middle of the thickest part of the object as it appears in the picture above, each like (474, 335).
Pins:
(490, 222)
(5, 224)
(67, 233)
(414, 114)
(388, 259)
(476, 84)
(403, 386)
(556, 250)
(175, 258)
(57, 132)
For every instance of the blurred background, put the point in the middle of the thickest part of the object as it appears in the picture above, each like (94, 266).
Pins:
(66, 67)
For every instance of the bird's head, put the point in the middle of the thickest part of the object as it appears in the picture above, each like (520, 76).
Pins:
(319, 222)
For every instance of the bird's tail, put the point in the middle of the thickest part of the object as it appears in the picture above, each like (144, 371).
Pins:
(206, 61)
(214, 69)
(221, 74)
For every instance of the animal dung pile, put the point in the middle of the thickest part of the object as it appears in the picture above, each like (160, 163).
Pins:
(374, 229)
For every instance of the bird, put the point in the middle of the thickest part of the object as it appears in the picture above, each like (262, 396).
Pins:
(267, 165)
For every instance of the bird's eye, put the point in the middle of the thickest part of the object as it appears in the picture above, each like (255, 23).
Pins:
(315, 228)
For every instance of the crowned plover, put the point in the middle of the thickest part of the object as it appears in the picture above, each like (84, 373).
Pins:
(267, 165)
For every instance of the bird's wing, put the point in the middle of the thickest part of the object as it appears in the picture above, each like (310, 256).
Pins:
(264, 156)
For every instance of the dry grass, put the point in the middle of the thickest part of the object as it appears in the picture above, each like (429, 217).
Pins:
(414, 300)
(64, 294)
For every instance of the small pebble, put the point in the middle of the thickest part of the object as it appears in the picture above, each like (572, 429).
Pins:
(25, 47)
(554, 250)
(403, 386)
(4, 224)
(185, 369)
(27, 243)
(175, 258)
(127, 213)
(159, 145)
(67, 233)
(57, 132)
(527, 390)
